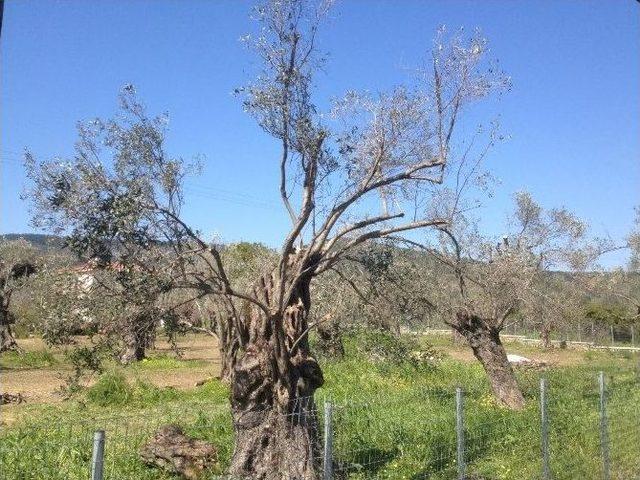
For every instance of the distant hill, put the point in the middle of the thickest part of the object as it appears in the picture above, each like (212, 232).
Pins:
(39, 240)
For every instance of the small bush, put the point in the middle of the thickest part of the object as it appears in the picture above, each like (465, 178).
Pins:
(111, 388)
(83, 360)
(387, 350)
(147, 394)
(380, 346)
(87, 358)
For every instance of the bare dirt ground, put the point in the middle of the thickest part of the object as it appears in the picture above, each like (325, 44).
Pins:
(552, 356)
(41, 385)
(555, 357)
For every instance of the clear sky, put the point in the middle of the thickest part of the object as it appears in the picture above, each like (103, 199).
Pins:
(573, 113)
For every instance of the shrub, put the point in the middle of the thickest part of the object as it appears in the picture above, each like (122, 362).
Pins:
(147, 394)
(111, 388)
(83, 359)
(386, 349)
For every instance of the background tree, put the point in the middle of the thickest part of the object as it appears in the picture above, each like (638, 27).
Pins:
(617, 289)
(18, 261)
(483, 283)
(95, 199)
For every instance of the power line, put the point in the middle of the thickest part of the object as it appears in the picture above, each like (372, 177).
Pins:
(193, 189)
(231, 194)
(231, 199)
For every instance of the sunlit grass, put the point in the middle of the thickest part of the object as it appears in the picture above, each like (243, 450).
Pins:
(27, 360)
(391, 421)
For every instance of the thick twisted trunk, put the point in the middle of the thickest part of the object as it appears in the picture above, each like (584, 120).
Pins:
(228, 343)
(273, 382)
(139, 335)
(275, 443)
(484, 340)
(7, 340)
(545, 335)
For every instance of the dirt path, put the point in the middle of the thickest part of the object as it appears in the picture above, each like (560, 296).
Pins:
(553, 356)
(41, 385)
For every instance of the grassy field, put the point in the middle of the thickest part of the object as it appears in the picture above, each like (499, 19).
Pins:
(393, 419)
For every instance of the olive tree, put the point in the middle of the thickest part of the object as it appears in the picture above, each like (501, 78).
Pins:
(484, 282)
(386, 145)
(629, 279)
(332, 169)
(18, 261)
(618, 286)
(95, 199)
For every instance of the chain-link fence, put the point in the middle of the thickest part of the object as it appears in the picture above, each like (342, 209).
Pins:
(588, 431)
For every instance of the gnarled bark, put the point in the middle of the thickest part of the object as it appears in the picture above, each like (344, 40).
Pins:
(484, 339)
(18, 271)
(7, 339)
(273, 381)
(228, 344)
(545, 335)
(139, 336)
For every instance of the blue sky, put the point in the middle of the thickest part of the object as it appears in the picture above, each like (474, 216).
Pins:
(573, 113)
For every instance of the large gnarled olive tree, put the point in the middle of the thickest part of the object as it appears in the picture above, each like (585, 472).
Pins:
(332, 168)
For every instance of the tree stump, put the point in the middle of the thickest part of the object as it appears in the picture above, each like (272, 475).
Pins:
(6, 398)
(171, 450)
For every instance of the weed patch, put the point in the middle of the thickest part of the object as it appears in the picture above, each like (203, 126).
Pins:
(28, 360)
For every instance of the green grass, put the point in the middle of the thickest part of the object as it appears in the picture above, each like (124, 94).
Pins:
(391, 421)
(28, 360)
(166, 362)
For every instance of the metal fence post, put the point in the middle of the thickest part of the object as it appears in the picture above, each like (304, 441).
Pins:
(328, 442)
(604, 434)
(544, 417)
(97, 460)
(460, 433)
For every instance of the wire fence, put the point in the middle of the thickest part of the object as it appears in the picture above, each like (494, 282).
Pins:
(599, 337)
(588, 431)
(583, 332)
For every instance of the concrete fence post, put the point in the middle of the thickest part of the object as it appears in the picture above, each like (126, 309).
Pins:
(579, 331)
(604, 432)
(613, 338)
(97, 459)
(544, 419)
(328, 442)
(460, 434)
